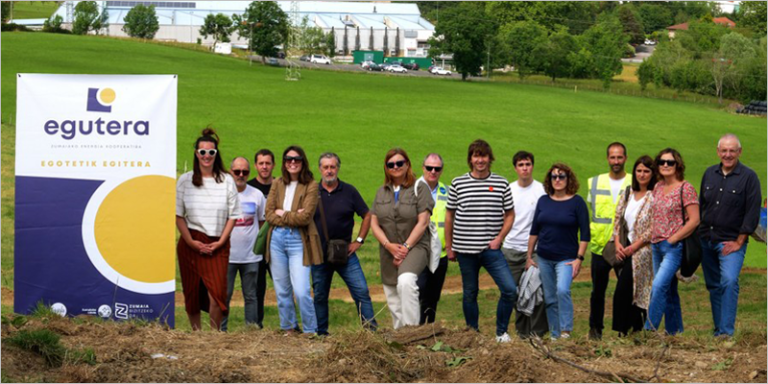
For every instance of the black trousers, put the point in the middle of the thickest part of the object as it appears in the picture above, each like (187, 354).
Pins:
(261, 291)
(430, 286)
(626, 316)
(601, 271)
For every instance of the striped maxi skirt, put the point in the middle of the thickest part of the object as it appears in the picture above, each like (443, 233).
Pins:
(203, 274)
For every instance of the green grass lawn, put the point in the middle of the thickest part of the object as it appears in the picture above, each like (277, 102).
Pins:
(34, 9)
(360, 116)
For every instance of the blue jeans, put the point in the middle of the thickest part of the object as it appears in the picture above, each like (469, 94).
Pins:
(494, 262)
(721, 274)
(291, 277)
(353, 276)
(665, 301)
(249, 277)
(556, 278)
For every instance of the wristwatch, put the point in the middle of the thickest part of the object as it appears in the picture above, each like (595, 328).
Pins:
(407, 246)
(360, 240)
(580, 257)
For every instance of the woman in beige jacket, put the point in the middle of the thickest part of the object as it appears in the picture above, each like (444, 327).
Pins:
(293, 244)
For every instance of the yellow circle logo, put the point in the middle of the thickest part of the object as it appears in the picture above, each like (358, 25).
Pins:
(134, 229)
(107, 95)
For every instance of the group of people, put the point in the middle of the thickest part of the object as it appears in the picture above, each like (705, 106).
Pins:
(531, 237)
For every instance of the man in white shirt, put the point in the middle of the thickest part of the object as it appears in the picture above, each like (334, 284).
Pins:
(525, 193)
(243, 238)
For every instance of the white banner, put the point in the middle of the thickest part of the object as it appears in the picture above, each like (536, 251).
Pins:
(95, 194)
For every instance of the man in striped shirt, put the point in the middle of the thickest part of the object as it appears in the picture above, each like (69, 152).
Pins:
(480, 213)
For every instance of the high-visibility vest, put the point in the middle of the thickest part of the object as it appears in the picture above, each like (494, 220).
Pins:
(602, 210)
(438, 213)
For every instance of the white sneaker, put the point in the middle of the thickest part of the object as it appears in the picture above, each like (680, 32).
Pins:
(503, 338)
(565, 335)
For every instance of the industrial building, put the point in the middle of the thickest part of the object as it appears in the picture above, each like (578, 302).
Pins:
(391, 25)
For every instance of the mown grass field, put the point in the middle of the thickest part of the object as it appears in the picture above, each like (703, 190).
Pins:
(361, 116)
(34, 9)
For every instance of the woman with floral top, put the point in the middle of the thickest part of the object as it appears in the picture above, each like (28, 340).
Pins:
(673, 198)
(633, 289)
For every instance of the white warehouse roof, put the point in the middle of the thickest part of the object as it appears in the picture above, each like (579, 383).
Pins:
(323, 14)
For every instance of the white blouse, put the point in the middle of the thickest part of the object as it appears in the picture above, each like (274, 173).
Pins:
(207, 208)
(630, 215)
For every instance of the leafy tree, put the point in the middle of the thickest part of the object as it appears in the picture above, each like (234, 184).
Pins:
(560, 45)
(5, 10)
(632, 23)
(755, 73)
(313, 40)
(735, 54)
(463, 31)
(645, 74)
(87, 18)
(752, 14)
(574, 15)
(141, 22)
(525, 42)
(607, 42)
(701, 38)
(655, 17)
(431, 10)
(53, 25)
(357, 40)
(266, 26)
(330, 43)
(219, 26)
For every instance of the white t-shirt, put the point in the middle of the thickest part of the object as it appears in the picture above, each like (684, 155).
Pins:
(252, 203)
(290, 191)
(616, 188)
(525, 204)
(630, 215)
(207, 208)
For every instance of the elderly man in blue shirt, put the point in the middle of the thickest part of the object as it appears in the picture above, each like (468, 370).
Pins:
(729, 201)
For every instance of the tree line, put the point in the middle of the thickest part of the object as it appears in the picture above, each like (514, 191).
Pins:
(589, 39)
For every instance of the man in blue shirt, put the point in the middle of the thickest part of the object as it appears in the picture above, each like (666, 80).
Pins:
(340, 202)
(729, 202)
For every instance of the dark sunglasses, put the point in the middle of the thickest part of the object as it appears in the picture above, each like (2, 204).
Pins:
(241, 172)
(211, 152)
(668, 163)
(430, 168)
(289, 159)
(558, 176)
(393, 164)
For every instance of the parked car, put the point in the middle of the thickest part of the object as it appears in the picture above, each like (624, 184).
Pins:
(281, 55)
(273, 62)
(304, 58)
(384, 66)
(320, 59)
(440, 71)
(375, 67)
(366, 64)
(397, 68)
(411, 66)
(649, 42)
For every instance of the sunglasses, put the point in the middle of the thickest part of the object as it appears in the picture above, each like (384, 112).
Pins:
(430, 168)
(561, 176)
(289, 159)
(241, 172)
(668, 163)
(398, 164)
(210, 152)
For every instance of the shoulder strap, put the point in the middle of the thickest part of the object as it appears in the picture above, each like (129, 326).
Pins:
(322, 213)
(682, 203)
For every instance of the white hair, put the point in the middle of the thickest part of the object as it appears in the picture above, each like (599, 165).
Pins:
(728, 136)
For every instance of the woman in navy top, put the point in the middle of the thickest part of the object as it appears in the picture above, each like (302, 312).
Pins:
(559, 217)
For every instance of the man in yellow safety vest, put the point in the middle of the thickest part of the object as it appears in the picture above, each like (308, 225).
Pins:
(604, 192)
(431, 281)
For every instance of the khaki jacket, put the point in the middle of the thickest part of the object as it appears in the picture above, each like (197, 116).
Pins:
(305, 197)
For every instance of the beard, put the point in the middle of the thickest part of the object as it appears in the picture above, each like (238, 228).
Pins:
(330, 180)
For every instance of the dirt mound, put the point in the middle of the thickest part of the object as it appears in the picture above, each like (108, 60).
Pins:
(134, 352)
